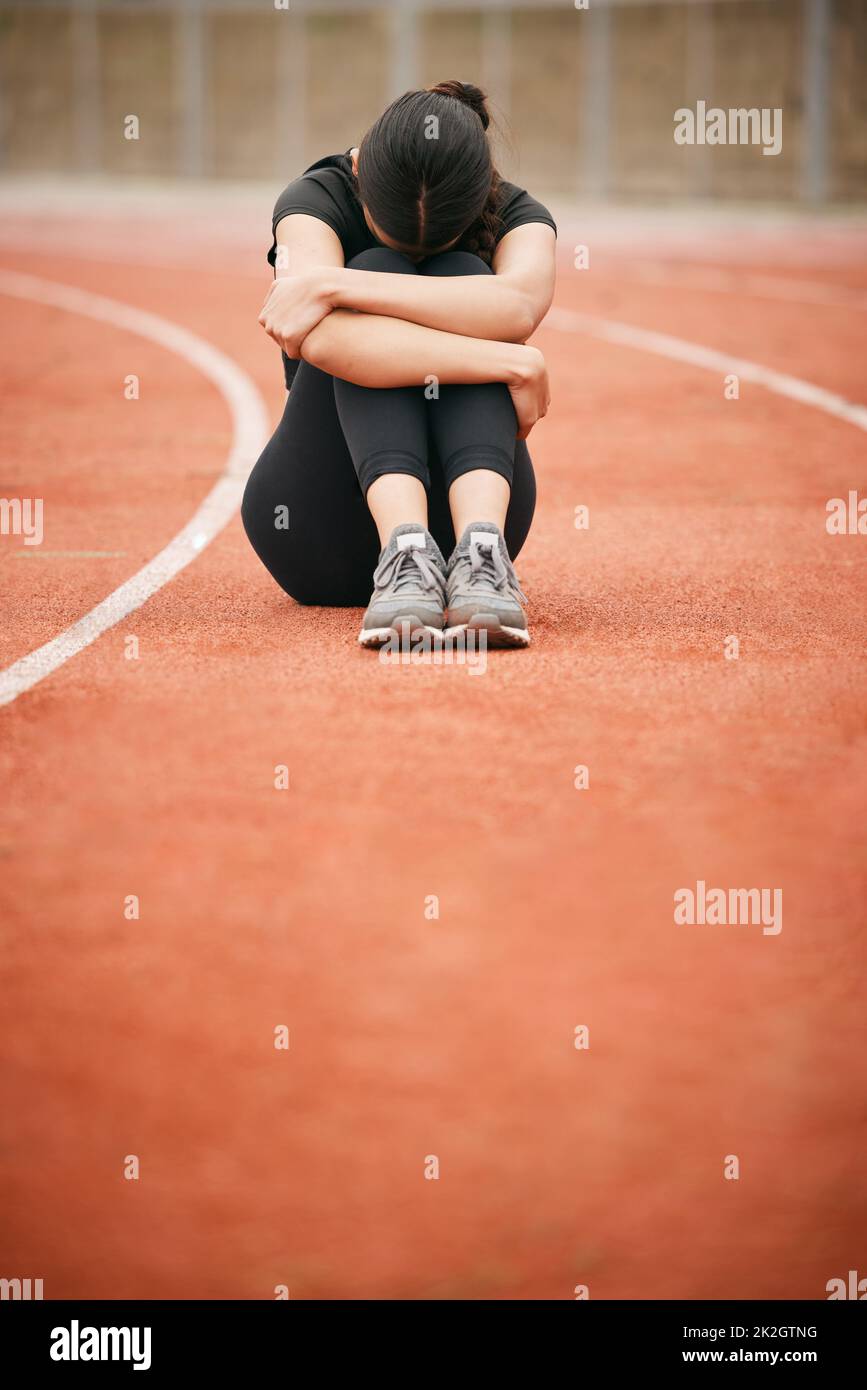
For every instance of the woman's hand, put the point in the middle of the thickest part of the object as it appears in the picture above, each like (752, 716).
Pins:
(293, 307)
(530, 391)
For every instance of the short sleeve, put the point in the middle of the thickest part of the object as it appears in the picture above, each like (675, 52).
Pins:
(519, 208)
(318, 195)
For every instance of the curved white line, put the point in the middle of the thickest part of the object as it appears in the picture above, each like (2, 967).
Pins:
(250, 433)
(694, 355)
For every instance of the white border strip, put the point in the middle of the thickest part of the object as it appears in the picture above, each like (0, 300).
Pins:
(250, 433)
(694, 355)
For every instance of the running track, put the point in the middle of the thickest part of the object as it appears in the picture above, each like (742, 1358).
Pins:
(305, 907)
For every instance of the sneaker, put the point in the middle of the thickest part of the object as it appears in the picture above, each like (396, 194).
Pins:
(483, 590)
(409, 588)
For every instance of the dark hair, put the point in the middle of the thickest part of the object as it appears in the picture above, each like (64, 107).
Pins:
(424, 191)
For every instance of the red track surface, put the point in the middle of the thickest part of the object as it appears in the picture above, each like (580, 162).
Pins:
(454, 1037)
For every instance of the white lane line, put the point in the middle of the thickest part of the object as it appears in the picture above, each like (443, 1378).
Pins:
(694, 355)
(711, 280)
(250, 432)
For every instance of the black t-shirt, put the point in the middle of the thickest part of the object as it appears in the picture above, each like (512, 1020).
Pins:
(327, 190)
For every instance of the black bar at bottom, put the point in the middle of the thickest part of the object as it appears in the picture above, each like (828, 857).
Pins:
(252, 1339)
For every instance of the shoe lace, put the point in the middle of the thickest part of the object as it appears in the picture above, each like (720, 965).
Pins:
(488, 564)
(400, 571)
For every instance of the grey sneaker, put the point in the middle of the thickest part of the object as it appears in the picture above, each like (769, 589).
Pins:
(483, 590)
(409, 588)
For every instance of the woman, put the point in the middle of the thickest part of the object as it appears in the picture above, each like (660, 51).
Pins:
(408, 279)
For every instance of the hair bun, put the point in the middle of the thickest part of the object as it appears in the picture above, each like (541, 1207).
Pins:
(469, 95)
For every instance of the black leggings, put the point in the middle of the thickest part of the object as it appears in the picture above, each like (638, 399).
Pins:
(304, 509)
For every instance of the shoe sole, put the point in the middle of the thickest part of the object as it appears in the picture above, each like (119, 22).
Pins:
(408, 629)
(497, 634)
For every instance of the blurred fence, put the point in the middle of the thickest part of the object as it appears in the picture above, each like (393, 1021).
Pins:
(585, 96)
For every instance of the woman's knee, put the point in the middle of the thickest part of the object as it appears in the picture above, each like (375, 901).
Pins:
(382, 258)
(455, 263)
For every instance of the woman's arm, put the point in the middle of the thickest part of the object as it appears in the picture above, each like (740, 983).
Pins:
(379, 351)
(307, 250)
(508, 305)
(371, 350)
